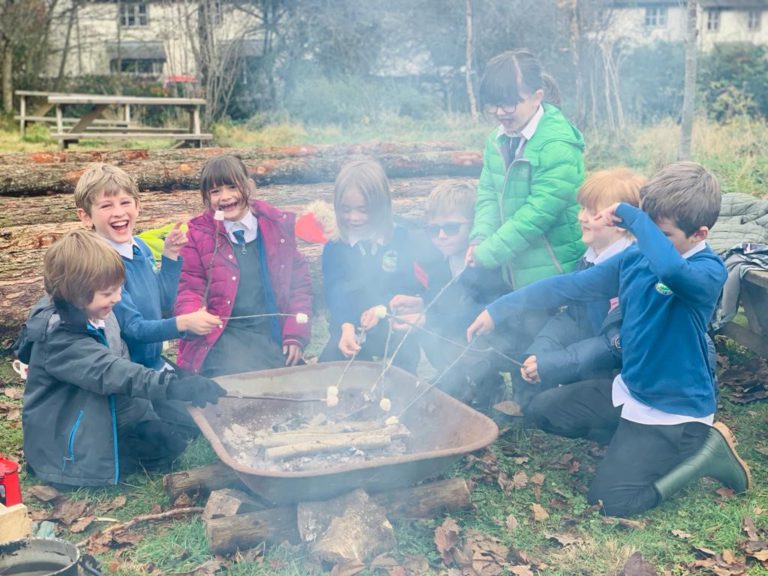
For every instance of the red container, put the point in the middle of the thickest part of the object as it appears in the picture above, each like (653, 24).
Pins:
(10, 491)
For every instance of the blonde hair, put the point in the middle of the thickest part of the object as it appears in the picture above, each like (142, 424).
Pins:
(367, 177)
(79, 265)
(606, 187)
(452, 197)
(225, 170)
(105, 178)
(684, 192)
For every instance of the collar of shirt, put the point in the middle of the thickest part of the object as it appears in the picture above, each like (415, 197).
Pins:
(248, 223)
(98, 324)
(125, 249)
(618, 246)
(530, 129)
(698, 248)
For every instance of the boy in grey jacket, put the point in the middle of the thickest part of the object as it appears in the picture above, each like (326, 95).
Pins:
(88, 418)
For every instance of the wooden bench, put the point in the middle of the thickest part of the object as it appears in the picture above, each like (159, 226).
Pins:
(86, 126)
(754, 302)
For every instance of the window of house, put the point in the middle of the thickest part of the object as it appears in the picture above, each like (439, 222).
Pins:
(753, 20)
(713, 20)
(137, 66)
(133, 13)
(655, 16)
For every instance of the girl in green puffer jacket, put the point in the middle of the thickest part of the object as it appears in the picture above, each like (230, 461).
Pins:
(526, 212)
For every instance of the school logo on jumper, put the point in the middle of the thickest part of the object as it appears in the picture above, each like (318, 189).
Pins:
(663, 289)
(389, 261)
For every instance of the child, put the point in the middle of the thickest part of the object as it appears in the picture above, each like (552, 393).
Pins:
(582, 342)
(525, 218)
(107, 200)
(246, 270)
(664, 399)
(88, 412)
(363, 269)
(449, 214)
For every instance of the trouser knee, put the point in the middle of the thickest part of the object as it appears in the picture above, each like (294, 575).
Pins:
(622, 502)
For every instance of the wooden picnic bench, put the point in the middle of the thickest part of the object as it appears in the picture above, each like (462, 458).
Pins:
(754, 302)
(34, 108)
(98, 104)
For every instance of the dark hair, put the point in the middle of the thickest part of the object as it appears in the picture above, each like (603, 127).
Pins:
(510, 73)
(224, 170)
(684, 192)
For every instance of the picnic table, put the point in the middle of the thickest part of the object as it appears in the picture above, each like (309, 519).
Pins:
(97, 105)
(754, 303)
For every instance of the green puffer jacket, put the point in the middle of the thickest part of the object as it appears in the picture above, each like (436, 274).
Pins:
(526, 214)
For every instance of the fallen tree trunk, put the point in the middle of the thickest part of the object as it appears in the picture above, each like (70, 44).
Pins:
(28, 227)
(39, 174)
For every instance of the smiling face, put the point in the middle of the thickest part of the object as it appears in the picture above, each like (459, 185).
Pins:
(354, 212)
(113, 216)
(595, 233)
(230, 200)
(514, 117)
(102, 303)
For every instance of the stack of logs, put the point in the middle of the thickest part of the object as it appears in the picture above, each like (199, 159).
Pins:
(353, 527)
(287, 177)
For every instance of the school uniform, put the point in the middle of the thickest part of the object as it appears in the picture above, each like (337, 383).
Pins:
(665, 394)
(364, 274)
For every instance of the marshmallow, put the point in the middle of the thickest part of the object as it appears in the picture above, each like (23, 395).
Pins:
(380, 311)
(385, 404)
(332, 401)
(302, 318)
(392, 420)
(332, 391)
(218, 215)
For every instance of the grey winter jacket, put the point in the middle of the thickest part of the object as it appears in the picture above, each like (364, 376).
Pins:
(78, 384)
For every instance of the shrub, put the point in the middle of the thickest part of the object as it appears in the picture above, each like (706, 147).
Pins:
(733, 79)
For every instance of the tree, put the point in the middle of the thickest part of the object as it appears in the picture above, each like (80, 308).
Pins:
(689, 91)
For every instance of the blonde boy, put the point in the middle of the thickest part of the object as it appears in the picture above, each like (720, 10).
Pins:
(107, 200)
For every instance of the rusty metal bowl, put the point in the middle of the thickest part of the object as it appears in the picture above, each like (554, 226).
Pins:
(442, 428)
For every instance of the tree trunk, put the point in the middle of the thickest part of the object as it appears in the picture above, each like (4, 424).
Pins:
(469, 60)
(689, 90)
(65, 51)
(200, 480)
(46, 173)
(7, 77)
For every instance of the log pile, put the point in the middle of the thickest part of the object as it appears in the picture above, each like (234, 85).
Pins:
(28, 226)
(351, 527)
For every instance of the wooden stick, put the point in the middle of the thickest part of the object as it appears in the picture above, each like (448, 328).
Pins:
(168, 514)
(320, 434)
(360, 441)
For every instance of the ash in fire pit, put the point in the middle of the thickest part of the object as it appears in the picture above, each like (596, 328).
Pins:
(302, 443)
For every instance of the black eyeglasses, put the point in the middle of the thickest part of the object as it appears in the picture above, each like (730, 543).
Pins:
(494, 109)
(449, 228)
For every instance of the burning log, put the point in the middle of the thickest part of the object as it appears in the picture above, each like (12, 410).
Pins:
(45, 173)
(229, 502)
(330, 443)
(339, 434)
(201, 480)
(242, 531)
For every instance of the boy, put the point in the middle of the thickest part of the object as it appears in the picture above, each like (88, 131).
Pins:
(582, 341)
(449, 214)
(88, 412)
(107, 200)
(664, 399)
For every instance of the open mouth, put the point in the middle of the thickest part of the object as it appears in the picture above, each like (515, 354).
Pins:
(228, 205)
(120, 226)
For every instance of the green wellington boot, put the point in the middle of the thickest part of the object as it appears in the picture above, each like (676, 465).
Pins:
(717, 458)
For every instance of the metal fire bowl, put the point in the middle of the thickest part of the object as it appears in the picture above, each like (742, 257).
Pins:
(442, 428)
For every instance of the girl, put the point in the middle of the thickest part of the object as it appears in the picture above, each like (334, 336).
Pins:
(241, 264)
(365, 267)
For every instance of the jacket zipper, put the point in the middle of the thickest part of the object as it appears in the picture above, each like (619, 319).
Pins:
(71, 441)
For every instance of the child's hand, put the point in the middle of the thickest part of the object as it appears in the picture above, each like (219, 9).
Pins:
(608, 216)
(469, 258)
(174, 242)
(370, 318)
(201, 322)
(530, 371)
(483, 324)
(292, 353)
(348, 341)
(401, 305)
(403, 322)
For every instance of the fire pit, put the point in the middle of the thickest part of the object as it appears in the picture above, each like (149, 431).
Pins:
(441, 429)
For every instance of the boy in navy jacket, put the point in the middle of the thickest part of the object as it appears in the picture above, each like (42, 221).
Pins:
(663, 402)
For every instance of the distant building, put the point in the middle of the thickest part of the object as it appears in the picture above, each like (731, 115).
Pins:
(647, 21)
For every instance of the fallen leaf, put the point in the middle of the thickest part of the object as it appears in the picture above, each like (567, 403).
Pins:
(81, 524)
(117, 502)
(68, 511)
(416, 565)
(348, 568)
(447, 538)
(724, 492)
(636, 565)
(13, 415)
(681, 534)
(565, 539)
(508, 408)
(749, 528)
(184, 500)
(520, 570)
(728, 556)
(539, 514)
(538, 479)
(42, 492)
(511, 523)
(520, 480)
(14, 393)
(208, 568)
(634, 524)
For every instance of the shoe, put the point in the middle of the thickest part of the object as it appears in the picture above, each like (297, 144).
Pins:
(717, 458)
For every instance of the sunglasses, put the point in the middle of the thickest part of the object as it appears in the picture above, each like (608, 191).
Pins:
(448, 228)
